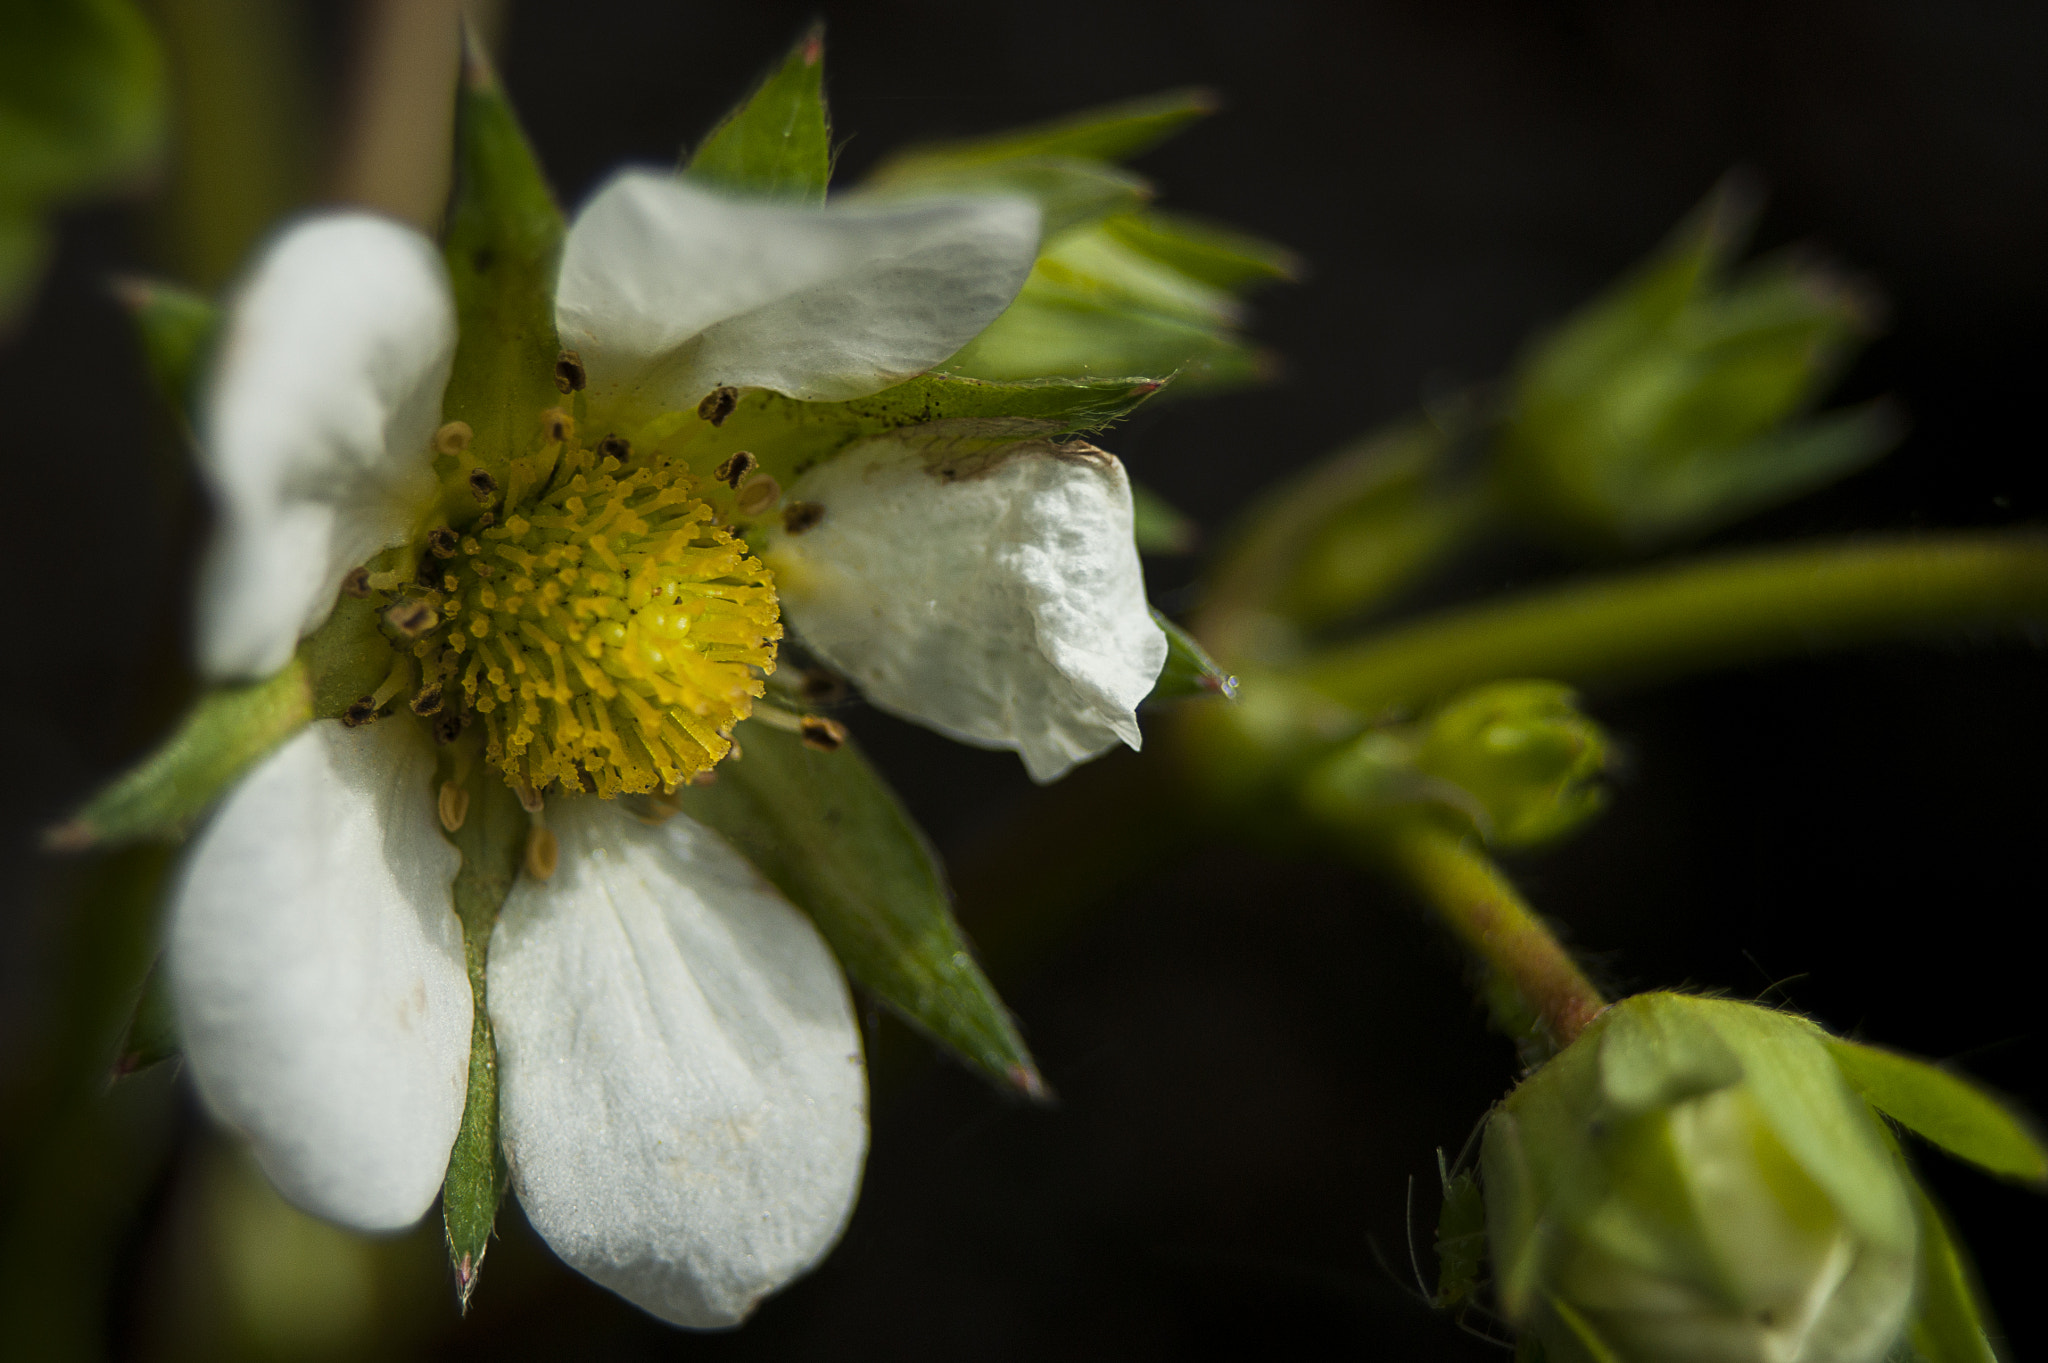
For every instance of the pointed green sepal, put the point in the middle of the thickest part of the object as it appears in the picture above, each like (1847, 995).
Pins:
(788, 437)
(1069, 192)
(1218, 256)
(1950, 1324)
(826, 830)
(176, 327)
(1944, 1109)
(778, 142)
(1460, 1237)
(151, 1036)
(492, 839)
(1068, 324)
(225, 734)
(1112, 132)
(1189, 670)
(503, 239)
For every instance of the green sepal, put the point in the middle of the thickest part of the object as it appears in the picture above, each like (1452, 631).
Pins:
(1072, 326)
(1950, 1320)
(504, 235)
(1189, 670)
(831, 836)
(81, 107)
(1460, 1237)
(1218, 256)
(177, 328)
(1069, 192)
(492, 840)
(778, 141)
(1112, 132)
(151, 1036)
(1945, 1109)
(1158, 526)
(225, 734)
(789, 437)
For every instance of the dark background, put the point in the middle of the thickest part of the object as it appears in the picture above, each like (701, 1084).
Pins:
(1255, 1055)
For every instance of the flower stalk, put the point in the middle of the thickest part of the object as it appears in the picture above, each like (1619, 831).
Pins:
(1738, 608)
(1534, 990)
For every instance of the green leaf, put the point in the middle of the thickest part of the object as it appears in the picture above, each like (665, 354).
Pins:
(152, 1033)
(1158, 527)
(1069, 192)
(1113, 132)
(1189, 671)
(176, 327)
(492, 839)
(1215, 255)
(825, 829)
(789, 436)
(504, 234)
(1945, 1109)
(778, 142)
(225, 734)
(81, 108)
(1949, 1324)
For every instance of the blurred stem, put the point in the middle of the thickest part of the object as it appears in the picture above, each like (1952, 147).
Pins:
(1667, 621)
(243, 147)
(397, 144)
(1535, 991)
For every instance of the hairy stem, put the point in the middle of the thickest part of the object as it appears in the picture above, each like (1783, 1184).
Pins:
(1535, 991)
(1661, 622)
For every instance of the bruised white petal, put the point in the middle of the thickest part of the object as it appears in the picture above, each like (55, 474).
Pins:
(316, 967)
(668, 290)
(995, 596)
(314, 427)
(681, 1088)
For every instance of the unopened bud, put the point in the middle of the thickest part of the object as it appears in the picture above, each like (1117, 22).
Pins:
(1666, 407)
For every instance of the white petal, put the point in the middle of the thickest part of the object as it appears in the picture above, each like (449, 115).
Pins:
(314, 428)
(681, 1087)
(996, 598)
(668, 290)
(316, 965)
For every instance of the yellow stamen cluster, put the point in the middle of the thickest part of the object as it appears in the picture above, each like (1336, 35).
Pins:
(608, 634)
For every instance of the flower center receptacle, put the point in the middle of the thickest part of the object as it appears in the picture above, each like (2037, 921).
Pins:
(607, 634)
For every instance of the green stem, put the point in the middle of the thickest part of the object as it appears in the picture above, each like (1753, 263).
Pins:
(1535, 991)
(1738, 608)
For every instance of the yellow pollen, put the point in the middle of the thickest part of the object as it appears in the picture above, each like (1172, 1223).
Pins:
(608, 634)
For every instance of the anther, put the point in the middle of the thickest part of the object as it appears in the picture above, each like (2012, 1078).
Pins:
(412, 618)
(482, 485)
(448, 727)
(442, 542)
(543, 853)
(529, 798)
(453, 805)
(798, 517)
(558, 424)
(569, 375)
(718, 404)
(820, 687)
(760, 493)
(357, 583)
(453, 438)
(736, 468)
(822, 734)
(360, 713)
(428, 701)
(615, 447)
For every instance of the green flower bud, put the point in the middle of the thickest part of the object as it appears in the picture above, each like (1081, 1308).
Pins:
(1703, 1181)
(1516, 759)
(1660, 410)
